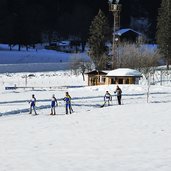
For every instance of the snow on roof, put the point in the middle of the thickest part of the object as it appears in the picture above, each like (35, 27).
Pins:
(64, 43)
(163, 67)
(106, 71)
(124, 72)
(122, 31)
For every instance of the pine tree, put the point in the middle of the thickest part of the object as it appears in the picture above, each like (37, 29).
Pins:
(164, 30)
(99, 34)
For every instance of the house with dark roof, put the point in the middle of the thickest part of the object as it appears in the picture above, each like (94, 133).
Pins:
(96, 77)
(128, 35)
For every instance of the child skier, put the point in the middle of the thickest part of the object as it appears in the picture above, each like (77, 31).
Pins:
(54, 103)
(67, 100)
(107, 98)
(33, 105)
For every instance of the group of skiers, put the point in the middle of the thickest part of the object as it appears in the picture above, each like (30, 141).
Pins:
(54, 103)
(67, 99)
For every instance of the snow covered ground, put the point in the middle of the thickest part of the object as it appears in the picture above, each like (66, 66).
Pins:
(135, 136)
(36, 60)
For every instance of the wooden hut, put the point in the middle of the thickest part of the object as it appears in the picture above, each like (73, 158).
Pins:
(123, 76)
(97, 77)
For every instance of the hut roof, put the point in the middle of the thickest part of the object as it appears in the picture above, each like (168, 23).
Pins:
(123, 31)
(94, 72)
(124, 72)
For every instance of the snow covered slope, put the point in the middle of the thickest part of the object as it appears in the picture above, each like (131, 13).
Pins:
(134, 136)
(118, 138)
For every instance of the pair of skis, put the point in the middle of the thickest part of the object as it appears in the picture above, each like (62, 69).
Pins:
(104, 104)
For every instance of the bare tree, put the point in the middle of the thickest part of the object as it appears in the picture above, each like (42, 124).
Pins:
(80, 65)
(139, 57)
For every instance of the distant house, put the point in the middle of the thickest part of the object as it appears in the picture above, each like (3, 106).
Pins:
(69, 46)
(117, 76)
(128, 35)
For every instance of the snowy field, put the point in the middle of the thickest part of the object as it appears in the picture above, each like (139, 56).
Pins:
(36, 60)
(135, 136)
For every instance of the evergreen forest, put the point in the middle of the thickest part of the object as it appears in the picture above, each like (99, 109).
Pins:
(24, 21)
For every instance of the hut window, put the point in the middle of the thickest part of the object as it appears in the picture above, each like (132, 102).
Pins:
(120, 81)
(102, 79)
(113, 81)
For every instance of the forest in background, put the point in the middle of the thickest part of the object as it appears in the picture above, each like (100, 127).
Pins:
(24, 21)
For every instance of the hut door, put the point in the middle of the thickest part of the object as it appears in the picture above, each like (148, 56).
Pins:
(93, 81)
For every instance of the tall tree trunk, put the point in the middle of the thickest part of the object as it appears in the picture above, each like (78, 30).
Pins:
(19, 47)
(10, 47)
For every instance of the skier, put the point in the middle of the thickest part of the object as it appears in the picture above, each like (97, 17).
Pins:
(33, 105)
(107, 99)
(54, 103)
(118, 92)
(67, 99)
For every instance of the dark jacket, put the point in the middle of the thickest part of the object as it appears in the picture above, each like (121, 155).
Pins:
(118, 91)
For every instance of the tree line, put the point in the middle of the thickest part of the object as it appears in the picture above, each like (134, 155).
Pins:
(23, 22)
